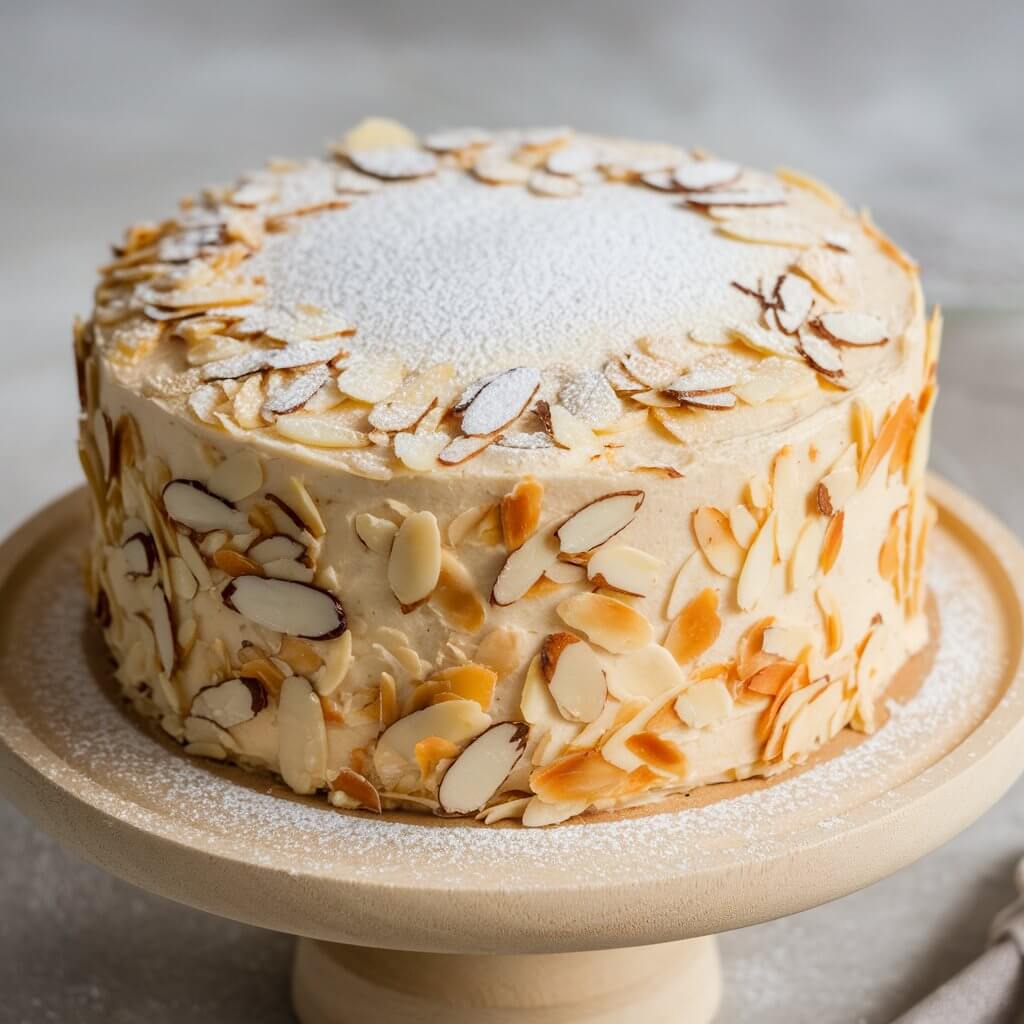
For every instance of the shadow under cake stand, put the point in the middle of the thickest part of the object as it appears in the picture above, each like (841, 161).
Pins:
(613, 920)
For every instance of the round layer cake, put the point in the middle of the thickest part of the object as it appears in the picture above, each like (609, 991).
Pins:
(508, 475)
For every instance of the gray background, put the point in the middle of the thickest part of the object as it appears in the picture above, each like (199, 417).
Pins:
(110, 112)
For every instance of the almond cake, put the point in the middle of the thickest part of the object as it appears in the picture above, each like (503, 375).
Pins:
(509, 475)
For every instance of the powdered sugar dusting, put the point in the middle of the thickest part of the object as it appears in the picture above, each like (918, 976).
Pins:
(450, 269)
(96, 745)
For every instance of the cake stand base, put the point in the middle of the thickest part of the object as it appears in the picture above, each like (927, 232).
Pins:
(677, 982)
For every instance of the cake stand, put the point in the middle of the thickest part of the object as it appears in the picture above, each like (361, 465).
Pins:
(404, 921)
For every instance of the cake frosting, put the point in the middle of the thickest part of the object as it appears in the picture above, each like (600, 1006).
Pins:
(510, 475)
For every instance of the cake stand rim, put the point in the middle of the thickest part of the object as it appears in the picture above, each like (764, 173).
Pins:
(923, 812)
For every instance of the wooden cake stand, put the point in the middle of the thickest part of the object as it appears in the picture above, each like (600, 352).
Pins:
(406, 921)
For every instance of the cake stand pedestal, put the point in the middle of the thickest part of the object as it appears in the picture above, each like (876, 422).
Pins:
(402, 920)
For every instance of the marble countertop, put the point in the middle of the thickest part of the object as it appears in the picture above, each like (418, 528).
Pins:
(110, 112)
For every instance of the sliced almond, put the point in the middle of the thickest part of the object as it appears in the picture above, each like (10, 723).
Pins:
(886, 438)
(456, 597)
(833, 616)
(833, 542)
(412, 400)
(584, 776)
(414, 566)
(806, 557)
(578, 683)
(609, 623)
(456, 721)
(820, 355)
(357, 790)
(743, 525)
(658, 752)
(845, 327)
(525, 566)
(294, 394)
(499, 401)
(725, 197)
(654, 372)
(768, 228)
(590, 398)
(377, 133)
(234, 563)
(765, 342)
(376, 533)
(540, 813)
(757, 566)
(163, 629)
(702, 379)
(461, 449)
(419, 452)
(715, 539)
(703, 704)
(701, 175)
(320, 430)
(230, 703)
(189, 503)
(298, 609)
(644, 674)
(567, 431)
(794, 300)
(628, 570)
(482, 768)
(140, 555)
(544, 183)
(370, 380)
(302, 737)
(551, 650)
(520, 512)
(682, 584)
(599, 521)
(695, 629)
(789, 500)
(836, 489)
(496, 168)
(393, 163)
(237, 477)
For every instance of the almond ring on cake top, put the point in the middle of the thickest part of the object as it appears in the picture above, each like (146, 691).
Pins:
(512, 474)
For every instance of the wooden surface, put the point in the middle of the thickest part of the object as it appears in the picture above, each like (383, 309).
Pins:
(112, 111)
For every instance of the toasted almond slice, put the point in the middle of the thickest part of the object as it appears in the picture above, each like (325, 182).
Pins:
(886, 439)
(578, 683)
(415, 563)
(836, 489)
(456, 597)
(752, 197)
(456, 721)
(833, 542)
(628, 570)
(715, 539)
(770, 680)
(806, 555)
(525, 566)
(607, 622)
(520, 512)
(794, 301)
(658, 752)
(320, 430)
(230, 703)
(646, 673)
(704, 703)
(500, 401)
(599, 521)
(551, 650)
(190, 504)
(702, 175)
(820, 355)
(889, 553)
(462, 449)
(302, 737)
(750, 655)
(757, 566)
(298, 609)
(810, 727)
(430, 752)
(787, 642)
(356, 789)
(393, 163)
(582, 776)
(234, 563)
(695, 629)
(832, 613)
(482, 768)
(419, 452)
(845, 327)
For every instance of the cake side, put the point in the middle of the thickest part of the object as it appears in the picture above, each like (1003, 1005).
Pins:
(495, 585)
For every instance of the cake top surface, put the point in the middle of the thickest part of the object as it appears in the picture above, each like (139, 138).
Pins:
(359, 306)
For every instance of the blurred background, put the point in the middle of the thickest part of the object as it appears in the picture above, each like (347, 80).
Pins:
(111, 111)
